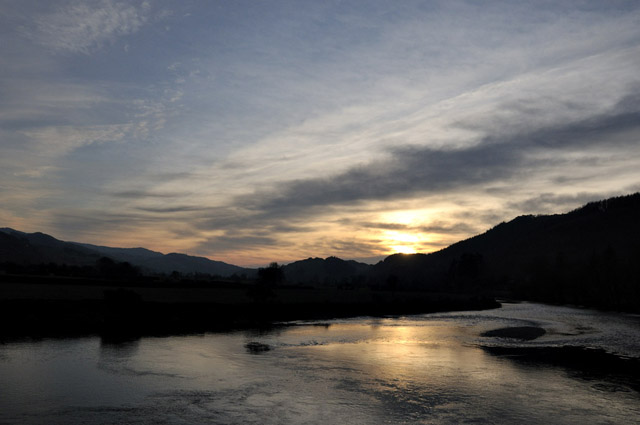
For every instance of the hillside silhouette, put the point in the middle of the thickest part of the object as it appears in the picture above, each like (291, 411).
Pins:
(589, 256)
(329, 271)
(38, 248)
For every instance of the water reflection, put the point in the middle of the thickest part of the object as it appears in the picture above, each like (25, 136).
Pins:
(425, 369)
(119, 348)
(609, 372)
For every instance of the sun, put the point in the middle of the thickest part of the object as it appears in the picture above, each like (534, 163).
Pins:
(402, 232)
(402, 243)
(403, 249)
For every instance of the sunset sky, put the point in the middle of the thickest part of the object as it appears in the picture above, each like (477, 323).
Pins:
(259, 131)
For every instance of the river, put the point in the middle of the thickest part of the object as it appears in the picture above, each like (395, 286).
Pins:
(423, 369)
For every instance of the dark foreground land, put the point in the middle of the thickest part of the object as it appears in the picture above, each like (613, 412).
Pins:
(37, 306)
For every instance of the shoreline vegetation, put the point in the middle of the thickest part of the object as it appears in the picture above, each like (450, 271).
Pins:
(39, 306)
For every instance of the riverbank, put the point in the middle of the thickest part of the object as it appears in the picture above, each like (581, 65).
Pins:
(50, 307)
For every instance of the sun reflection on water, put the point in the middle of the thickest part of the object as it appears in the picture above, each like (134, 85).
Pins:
(414, 369)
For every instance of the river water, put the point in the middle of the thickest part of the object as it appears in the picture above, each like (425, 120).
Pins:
(424, 369)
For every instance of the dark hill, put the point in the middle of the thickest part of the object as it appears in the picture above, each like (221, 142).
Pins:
(156, 262)
(331, 270)
(183, 263)
(132, 255)
(39, 248)
(587, 256)
(16, 249)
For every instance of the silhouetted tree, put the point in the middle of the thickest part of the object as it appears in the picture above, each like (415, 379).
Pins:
(272, 275)
(112, 270)
(268, 277)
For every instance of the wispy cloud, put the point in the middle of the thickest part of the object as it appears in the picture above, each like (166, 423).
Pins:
(437, 226)
(411, 170)
(173, 209)
(142, 194)
(272, 132)
(510, 154)
(61, 139)
(83, 26)
(546, 202)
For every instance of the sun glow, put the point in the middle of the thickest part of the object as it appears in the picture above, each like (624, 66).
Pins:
(402, 249)
(406, 217)
(400, 242)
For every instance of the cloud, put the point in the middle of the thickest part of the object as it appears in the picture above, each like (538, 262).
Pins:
(448, 228)
(81, 26)
(551, 202)
(422, 170)
(505, 164)
(141, 194)
(77, 224)
(259, 129)
(343, 246)
(61, 139)
(28, 102)
(386, 226)
(228, 242)
(437, 226)
(172, 210)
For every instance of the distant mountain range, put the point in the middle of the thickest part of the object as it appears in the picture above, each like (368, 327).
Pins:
(38, 248)
(588, 256)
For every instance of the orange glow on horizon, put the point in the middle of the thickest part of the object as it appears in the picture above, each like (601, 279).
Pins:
(403, 249)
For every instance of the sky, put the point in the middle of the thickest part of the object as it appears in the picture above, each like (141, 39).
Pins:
(258, 131)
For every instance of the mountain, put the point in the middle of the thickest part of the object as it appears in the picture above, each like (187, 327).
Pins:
(183, 263)
(39, 248)
(588, 256)
(331, 270)
(13, 248)
(131, 255)
(157, 262)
